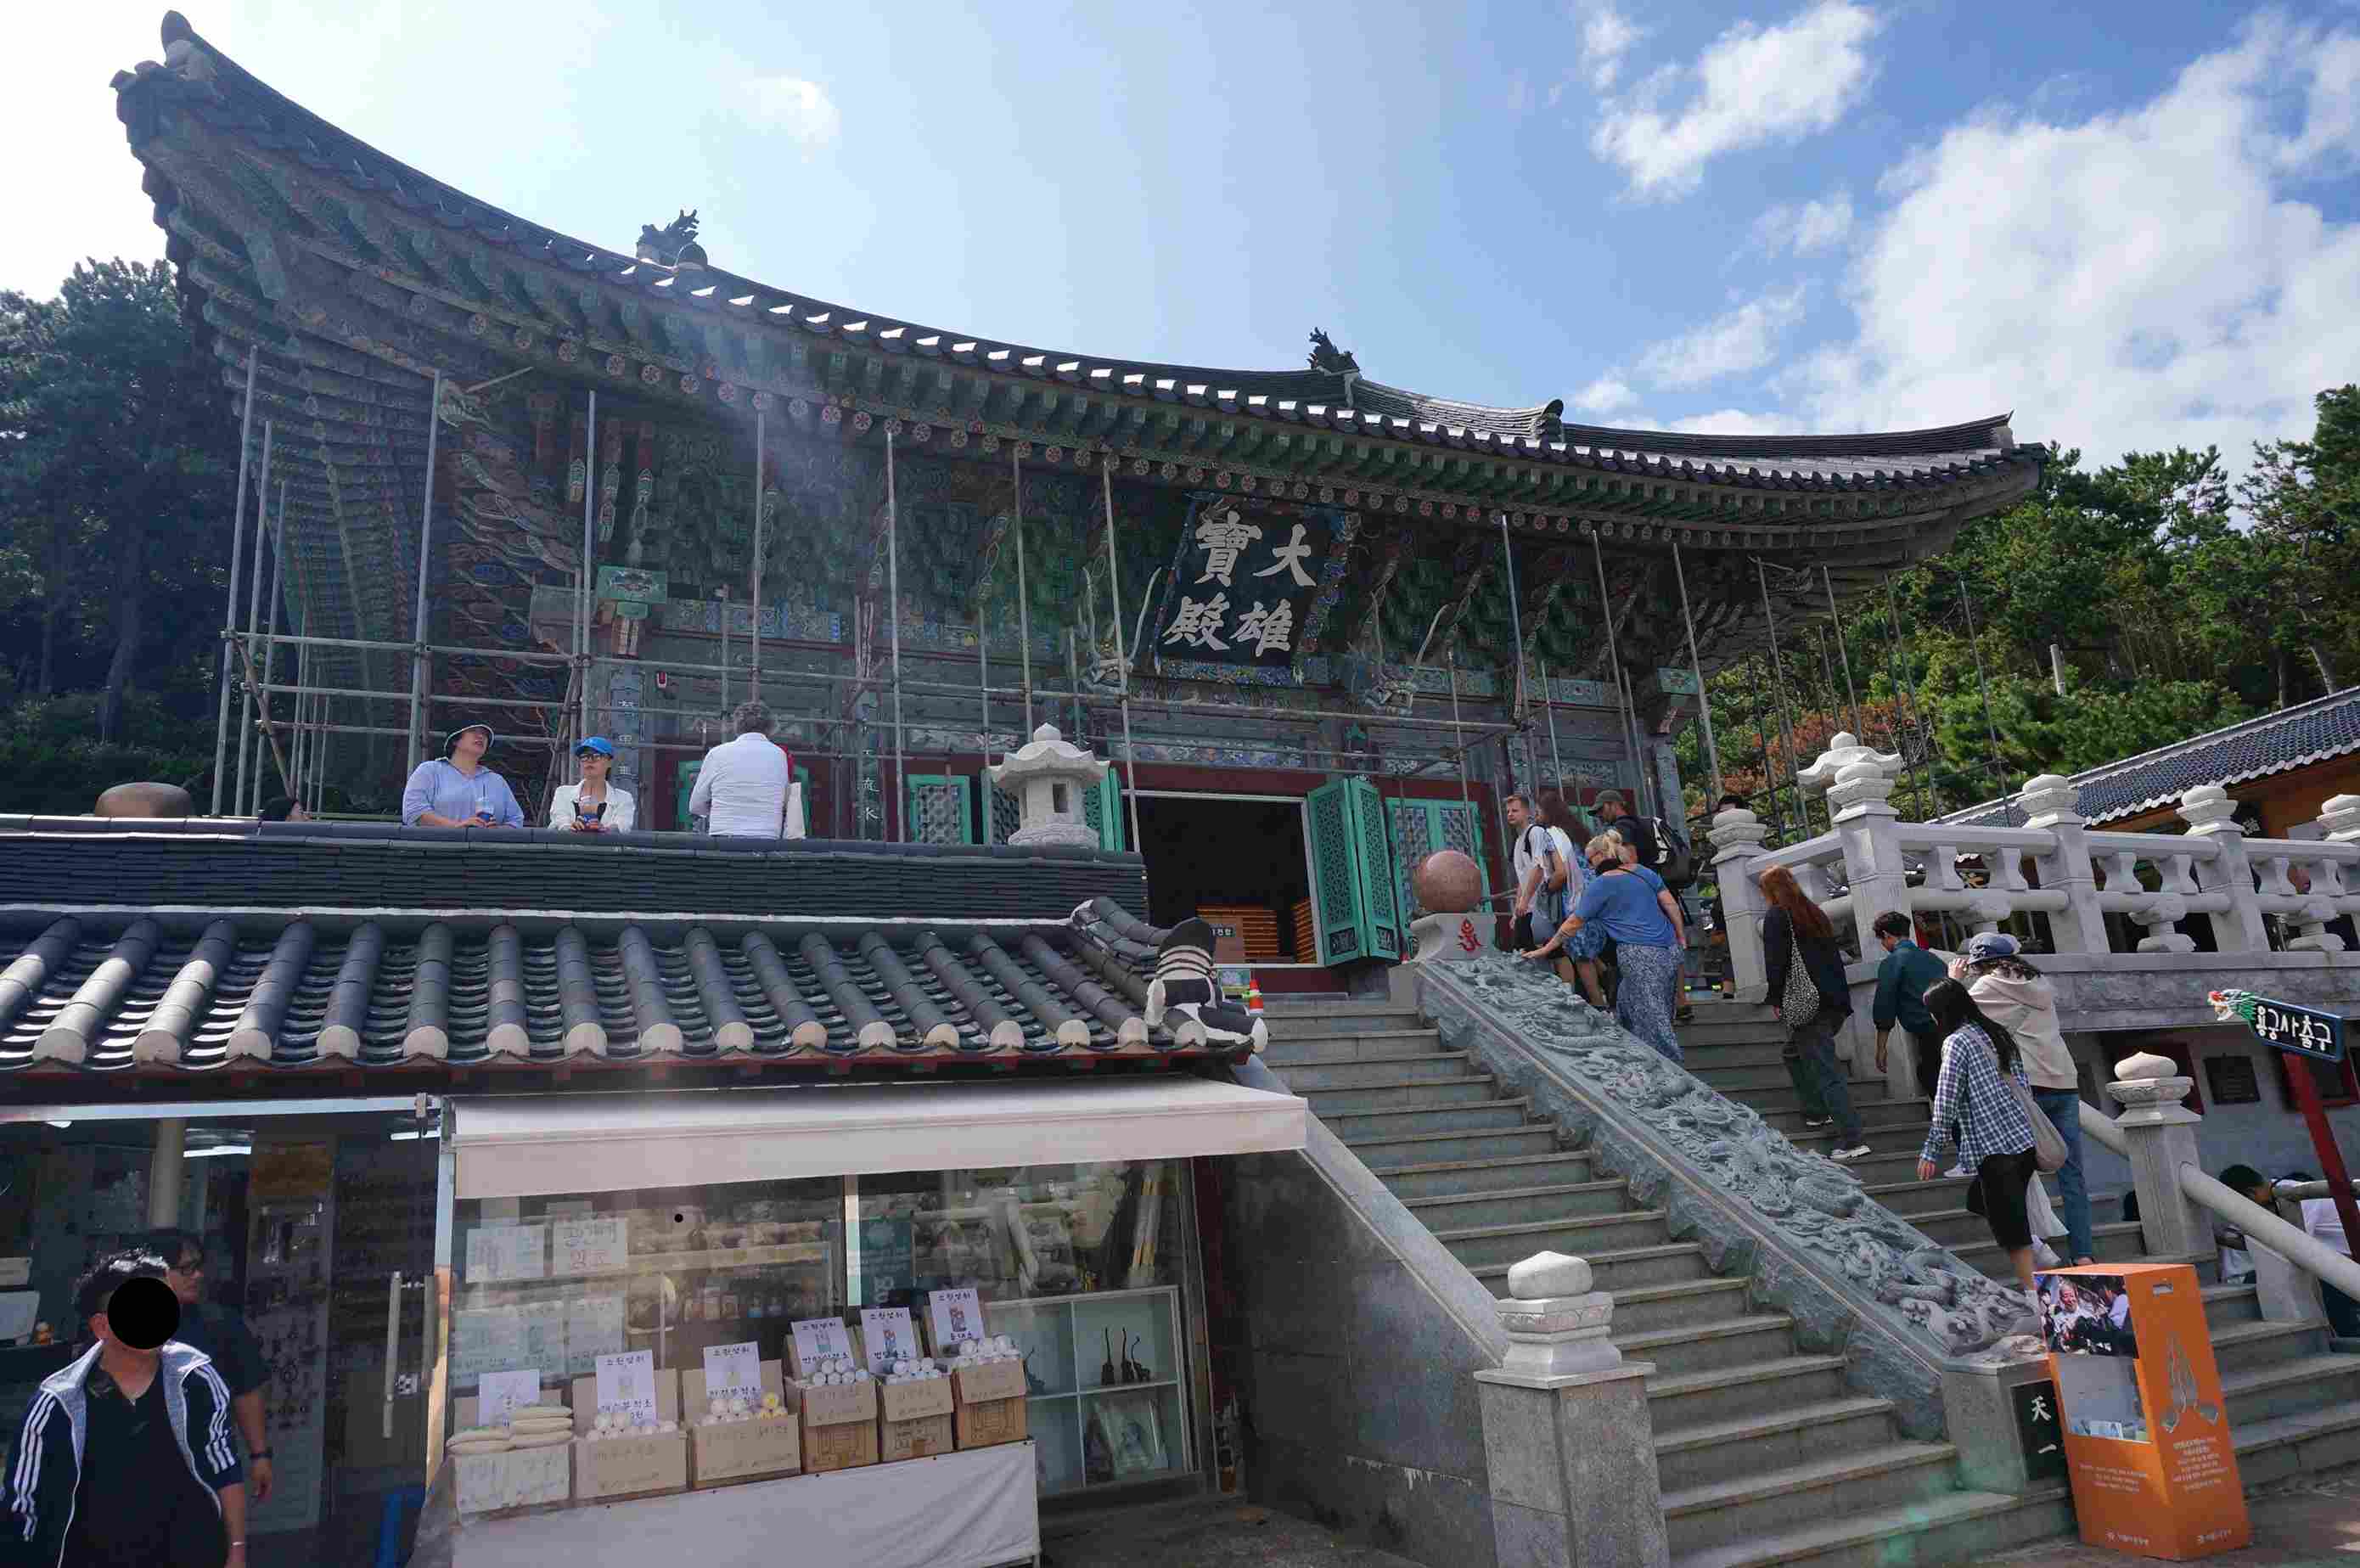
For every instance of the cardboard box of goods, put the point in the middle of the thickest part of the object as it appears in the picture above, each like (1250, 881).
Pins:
(739, 1450)
(914, 1419)
(636, 1467)
(520, 1478)
(990, 1407)
(839, 1425)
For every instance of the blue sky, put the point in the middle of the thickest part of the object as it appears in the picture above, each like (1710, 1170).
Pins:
(2136, 224)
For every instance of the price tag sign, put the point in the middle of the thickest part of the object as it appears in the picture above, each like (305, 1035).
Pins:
(886, 1334)
(953, 1315)
(734, 1369)
(590, 1246)
(627, 1384)
(817, 1339)
(502, 1394)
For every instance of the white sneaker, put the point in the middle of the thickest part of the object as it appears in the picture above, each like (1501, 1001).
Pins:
(2043, 1255)
(1845, 1156)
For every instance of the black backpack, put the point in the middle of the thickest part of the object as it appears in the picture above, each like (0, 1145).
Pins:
(1673, 862)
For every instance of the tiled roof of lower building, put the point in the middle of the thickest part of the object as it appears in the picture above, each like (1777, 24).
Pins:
(2257, 748)
(184, 992)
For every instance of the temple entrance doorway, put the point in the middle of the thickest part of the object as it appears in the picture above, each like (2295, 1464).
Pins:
(1237, 859)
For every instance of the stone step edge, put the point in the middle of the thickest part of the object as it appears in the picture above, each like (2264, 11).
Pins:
(1822, 1412)
(1283, 1037)
(2296, 1369)
(1899, 1520)
(1737, 1376)
(1445, 1111)
(1576, 1223)
(1497, 1161)
(1809, 1477)
(1393, 1083)
(2272, 1430)
(1486, 1195)
(1639, 1295)
(1383, 1060)
(1624, 1255)
(1637, 1346)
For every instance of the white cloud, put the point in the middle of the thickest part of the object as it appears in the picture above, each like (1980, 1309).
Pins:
(1604, 396)
(1753, 85)
(1735, 421)
(2139, 279)
(1741, 339)
(1805, 228)
(802, 109)
(1607, 35)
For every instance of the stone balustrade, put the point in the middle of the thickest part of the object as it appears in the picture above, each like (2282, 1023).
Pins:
(2053, 866)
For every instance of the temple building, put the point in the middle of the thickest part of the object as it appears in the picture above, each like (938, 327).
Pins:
(1316, 621)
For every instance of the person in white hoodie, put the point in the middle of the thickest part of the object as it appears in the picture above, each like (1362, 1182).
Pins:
(2020, 998)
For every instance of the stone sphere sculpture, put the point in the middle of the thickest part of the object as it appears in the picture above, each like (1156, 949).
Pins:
(1446, 883)
(145, 799)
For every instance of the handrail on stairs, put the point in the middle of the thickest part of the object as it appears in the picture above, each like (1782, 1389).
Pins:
(2292, 1242)
(2097, 1124)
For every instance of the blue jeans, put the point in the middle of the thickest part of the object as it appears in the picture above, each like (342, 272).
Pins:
(2063, 1107)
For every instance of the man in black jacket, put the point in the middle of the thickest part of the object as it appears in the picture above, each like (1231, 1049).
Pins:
(126, 1458)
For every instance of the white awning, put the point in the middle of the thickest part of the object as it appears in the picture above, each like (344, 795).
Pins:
(521, 1146)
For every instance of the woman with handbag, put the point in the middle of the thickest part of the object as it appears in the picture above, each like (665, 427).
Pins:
(1807, 986)
(1999, 1130)
(1632, 902)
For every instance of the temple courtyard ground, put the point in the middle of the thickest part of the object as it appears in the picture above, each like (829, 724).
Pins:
(2309, 1521)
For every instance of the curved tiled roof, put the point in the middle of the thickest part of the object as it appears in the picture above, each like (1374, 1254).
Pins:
(2275, 743)
(231, 100)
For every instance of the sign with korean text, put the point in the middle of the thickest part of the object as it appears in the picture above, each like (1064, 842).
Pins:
(2298, 1031)
(500, 1253)
(627, 1385)
(818, 1339)
(633, 583)
(1244, 581)
(734, 1369)
(886, 1334)
(502, 1394)
(953, 1315)
(589, 1246)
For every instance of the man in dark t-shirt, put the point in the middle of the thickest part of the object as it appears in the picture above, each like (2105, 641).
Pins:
(222, 1335)
(1632, 830)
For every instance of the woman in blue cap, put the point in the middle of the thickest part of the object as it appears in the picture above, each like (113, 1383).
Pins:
(593, 806)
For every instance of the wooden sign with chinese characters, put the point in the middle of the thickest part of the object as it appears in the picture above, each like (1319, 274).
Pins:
(1245, 581)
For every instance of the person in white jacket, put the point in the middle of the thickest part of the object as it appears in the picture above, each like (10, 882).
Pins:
(2022, 1000)
(593, 806)
(741, 789)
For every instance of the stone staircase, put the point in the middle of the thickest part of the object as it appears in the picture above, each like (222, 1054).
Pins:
(1765, 1455)
(2293, 1405)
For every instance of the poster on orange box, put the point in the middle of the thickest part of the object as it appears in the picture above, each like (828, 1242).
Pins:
(2147, 1433)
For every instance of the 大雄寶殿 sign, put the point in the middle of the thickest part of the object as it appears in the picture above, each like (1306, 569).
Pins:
(1244, 581)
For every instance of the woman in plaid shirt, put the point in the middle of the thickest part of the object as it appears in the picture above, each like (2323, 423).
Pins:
(1974, 1108)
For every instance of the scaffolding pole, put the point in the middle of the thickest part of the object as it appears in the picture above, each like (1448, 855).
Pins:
(1696, 668)
(1626, 719)
(1114, 611)
(1843, 653)
(1769, 773)
(755, 678)
(270, 641)
(1778, 674)
(1548, 699)
(1458, 738)
(1909, 704)
(1983, 682)
(253, 614)
(588, 576)
(236, 551)
(418, 619)
(1515, 619)
(1023, 594)
(893, 624)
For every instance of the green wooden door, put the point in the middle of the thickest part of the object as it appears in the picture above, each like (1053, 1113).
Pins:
(1421, 826)
(937, 808)
(1355, 901)
(1102, 809)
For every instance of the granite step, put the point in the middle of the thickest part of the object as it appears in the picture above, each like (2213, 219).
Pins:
(1701, 1055)
(1335, 1046)
(1451, 1177)
(1520, 1205)
(1644, 1309)
(1955, 1527)
(2295, 1386)
(1381, 1151)
(1712, 1452)
(2119, 1242)
(2228, 1304)
(1488, 1116)
(1316, 1074)
(1761, 1503)
(1687, 1348)
(1624, 1268)
(2301, 1443)
(1783, 1111)
(2246, 1347)
(1483, 1245)
(1340, 1018)
(1729, 1392)
(1398, 1094)
(1743, 1080)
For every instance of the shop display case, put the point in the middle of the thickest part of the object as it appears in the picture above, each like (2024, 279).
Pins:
(1099, 1423)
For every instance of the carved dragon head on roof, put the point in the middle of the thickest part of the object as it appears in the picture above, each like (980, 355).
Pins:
(673, 245)
(1325, 356)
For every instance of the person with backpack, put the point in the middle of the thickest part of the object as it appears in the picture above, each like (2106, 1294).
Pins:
(1807, 988)
(1578, 962)
(1974, 1107)
(1538, 864)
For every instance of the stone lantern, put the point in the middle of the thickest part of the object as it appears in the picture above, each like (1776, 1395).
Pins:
(1048, 776)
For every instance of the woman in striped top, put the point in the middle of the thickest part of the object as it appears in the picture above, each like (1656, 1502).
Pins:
(1974, 1108)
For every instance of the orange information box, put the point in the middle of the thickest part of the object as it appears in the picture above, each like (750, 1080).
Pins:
(2147, 1433)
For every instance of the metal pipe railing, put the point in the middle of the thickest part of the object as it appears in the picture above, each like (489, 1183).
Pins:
(2292, 1242)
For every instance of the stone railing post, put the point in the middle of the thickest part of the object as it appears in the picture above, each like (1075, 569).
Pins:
(2161, 1137)
(1569, 1443)
(2211, 813)
(1859, 783)
(2050, 802)
(2339, 819)
(1737, 836)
